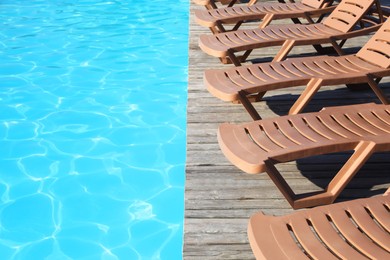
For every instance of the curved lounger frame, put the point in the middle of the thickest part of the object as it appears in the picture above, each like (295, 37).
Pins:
(357, 229)
(215, 19)
(256, 147)
(369, 65)
(338, 26)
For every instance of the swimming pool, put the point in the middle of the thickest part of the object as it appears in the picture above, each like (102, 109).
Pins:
(92, 128)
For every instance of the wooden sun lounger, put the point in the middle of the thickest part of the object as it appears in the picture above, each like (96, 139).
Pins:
(369, 65)
(338, 26)
(357, 229)
(212, 4)
(258, 146)
(215, 19)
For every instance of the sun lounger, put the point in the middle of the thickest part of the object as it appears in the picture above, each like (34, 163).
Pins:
(212, 4)
(369, 65)
(335, 30)
(258, 146)
(357, 229)
(215, 19)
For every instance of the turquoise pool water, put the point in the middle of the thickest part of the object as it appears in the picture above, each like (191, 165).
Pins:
(92, 128)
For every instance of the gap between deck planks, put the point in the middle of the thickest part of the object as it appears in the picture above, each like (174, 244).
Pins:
(219, 198)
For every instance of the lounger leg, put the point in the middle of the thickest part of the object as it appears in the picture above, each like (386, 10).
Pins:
(248, 106)
(337, 47)
(284, 50)
(361, 86)
(252, 98)
(211, 5)
(308, 18)
(218, 28)
(236, 26)
(280, 182)
(320, 49)
(312, 87)
(297, 201)
(232, 58)
(232, 3)
(363, 152)
(379, 93)
(245, 55)
(266, 20)
(379, 10)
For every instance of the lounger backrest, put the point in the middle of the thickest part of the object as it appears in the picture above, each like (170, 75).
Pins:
(347, 14)
(317, 3)
(377, 49)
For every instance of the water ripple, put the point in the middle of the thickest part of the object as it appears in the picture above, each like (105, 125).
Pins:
(92, 129)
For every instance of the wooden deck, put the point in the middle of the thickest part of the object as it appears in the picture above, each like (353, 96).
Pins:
(219, 198)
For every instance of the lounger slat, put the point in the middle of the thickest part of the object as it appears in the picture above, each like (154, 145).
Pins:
(273, 73)
(320, 128)
(321, 70)
(342, 66)
(261, 34)
(244, 77)
(297, 32)
(292, 132)
(290, 66)
(257, 36)
(262, 139)
(329, 67)
(355, 237)
(309, 241)
(306, 131)
(383, 115)
(276, 136)
(380, 213)
(317, 31)
(332, 238)
(245, 37)
(272, 32)
(353, 63)
(368, 226)
(303, 68)
(336, 127)
(283, 10)
(258, 72)
(282, 70)
(370, 117)
(285, 241)
(227, 40)
(366, 125)
(348, 124)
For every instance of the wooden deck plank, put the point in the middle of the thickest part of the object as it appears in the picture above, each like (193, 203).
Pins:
(219, 198)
